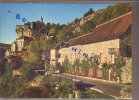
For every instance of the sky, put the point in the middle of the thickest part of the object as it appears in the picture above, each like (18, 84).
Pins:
(53, 13)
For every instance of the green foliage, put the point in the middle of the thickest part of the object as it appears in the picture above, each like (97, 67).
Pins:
(66, 65)
(126, 75)
(64, 90)
(80, 66)
(105, 72)
(76, 20)
(120, 9)
(2, 66)
(14, 63)
(64, 35)
(125, 44)
(76, 65)
(89, 12)
(28, 71)
(93, 63)
(93, 94)
(87, 27)
(55, 29)
(64, 86)
(9, 84)
(111, 12)
(34, 52)
(52, 68)
(119, 63)
(85, 66)
(117, 66)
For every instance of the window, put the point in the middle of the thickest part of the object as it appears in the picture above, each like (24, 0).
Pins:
(112, 50)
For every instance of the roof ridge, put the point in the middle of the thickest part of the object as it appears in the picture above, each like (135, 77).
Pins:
(102, 24)
(114, 19)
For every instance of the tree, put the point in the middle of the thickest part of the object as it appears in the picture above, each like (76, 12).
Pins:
(66, 65)
(54, 30)
(34, 52)
(76, 20)
(90, 11)
(28, 71)
(85, 66)
(64, 35)
(121, 9)
(111, 12)
(87, 27)
(77, 65)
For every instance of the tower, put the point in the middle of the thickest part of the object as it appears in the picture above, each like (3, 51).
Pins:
(41, 19)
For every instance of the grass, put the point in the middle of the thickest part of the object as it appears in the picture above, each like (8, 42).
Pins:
(93, 94)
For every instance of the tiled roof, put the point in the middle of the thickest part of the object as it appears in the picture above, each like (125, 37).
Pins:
(112, 29)
(57, 46)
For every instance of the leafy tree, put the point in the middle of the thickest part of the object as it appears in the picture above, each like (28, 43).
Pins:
(34, 52)
(121, 9)
(28, 71)
(111, 12)
(77, 65)
(117, 66)
(64, 35)
(119, 63)
(87, 27)
(66, 65)
(85, 66)
(54, 30)
(76, 20)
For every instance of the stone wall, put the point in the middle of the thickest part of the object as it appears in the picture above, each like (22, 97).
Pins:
(91, 49)
(23, 30)
(126, 75)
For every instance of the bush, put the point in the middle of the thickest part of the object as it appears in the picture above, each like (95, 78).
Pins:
(10, 85)
(105, 73)
(28, 71)
(85, 66)
(64, 86)
(66, 65)
(93, 94)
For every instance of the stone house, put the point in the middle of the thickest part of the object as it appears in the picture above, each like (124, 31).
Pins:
(105, 41)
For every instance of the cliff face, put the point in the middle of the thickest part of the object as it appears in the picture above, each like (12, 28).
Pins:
(27, 29)
(23, 30)
(76, 25)
(85, 19)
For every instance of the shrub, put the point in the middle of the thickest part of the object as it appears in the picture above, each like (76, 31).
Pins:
(28, 71)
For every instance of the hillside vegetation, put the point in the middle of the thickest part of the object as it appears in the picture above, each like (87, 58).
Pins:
(12, 86)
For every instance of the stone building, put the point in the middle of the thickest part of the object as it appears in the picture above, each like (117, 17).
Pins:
(105, 41)
(24, 35)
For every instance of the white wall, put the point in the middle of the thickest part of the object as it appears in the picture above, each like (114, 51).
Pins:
(96, 48)
(53, 57)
